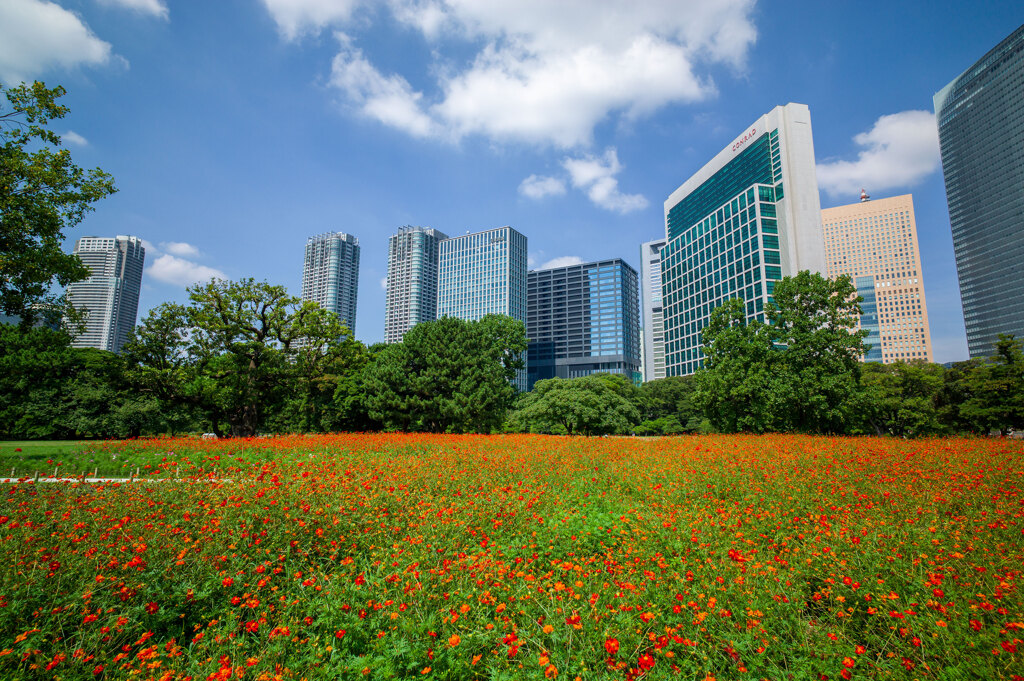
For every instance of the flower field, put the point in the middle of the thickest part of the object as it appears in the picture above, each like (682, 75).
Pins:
(523, 557)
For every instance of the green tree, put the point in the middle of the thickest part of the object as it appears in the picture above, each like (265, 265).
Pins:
(42, 194)
(900, 399)
(991, 390)
(799, 370)
(50, 390)
(589, 405)
(815, 319)
(667, 406)
(35, 366)
(450, 375)
(737, 388)
(240, 353)
(327, 362)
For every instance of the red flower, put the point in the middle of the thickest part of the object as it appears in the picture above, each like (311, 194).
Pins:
(228, 581)
(152, 608)
(976, 625)
(611, 646)
(646, 661)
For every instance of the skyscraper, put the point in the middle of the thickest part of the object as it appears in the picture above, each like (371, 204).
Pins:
(583, 319)
(980, 116)
(331, 274)
(875, 242)
(749, 217)
(653, 315)
(483, 273)
(109, 296)
(412, 280)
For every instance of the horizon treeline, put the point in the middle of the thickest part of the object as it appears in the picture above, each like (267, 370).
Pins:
(245, 358)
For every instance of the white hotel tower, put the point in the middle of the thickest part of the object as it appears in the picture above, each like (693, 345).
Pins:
(330, 275)
(746, 219)
(413, 262)
(110, 295)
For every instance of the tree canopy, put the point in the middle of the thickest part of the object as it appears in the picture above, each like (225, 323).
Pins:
(42, 194)
(599, 404)
(798, 370)
(239, 351)
(449, 375)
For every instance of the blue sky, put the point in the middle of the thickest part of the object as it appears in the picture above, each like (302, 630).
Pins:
(236, 129)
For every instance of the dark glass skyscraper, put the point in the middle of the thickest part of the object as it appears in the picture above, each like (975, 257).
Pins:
(981, 134)
(583, 319)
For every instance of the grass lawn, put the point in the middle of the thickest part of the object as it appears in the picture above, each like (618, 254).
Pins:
(34, 455)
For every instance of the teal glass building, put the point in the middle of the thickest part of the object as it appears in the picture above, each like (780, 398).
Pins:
(980, 116)
(746, 219)
(483, 273)
(583, 319)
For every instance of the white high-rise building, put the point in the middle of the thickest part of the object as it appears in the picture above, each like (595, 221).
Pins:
(109, 297)
(481, 274)
(653, 315)
(413, 261)
(746, 219)
(331, 274)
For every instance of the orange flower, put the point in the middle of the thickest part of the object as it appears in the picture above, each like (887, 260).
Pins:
(454, 640)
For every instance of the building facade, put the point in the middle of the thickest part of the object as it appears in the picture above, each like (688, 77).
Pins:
(583, 319)
(875, 242)
(653, 364)
(980, 116)
(746, 219)
(413, 257)
(330, 275)
(109, 296)
(483, 273)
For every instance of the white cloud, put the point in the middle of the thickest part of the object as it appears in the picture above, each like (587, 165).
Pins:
(384, 283)
(173, 270)
(596, 176)
(900, 150)
(72, 137)
(389, 99)
(180, 248)
(542, 72)
(563, 261)
(155, 7)
(295, 18)
(539, 186)
(36, 35)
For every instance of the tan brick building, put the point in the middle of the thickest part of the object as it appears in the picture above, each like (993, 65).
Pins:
(875, 242)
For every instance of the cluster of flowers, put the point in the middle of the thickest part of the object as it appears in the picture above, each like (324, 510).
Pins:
(461, 557)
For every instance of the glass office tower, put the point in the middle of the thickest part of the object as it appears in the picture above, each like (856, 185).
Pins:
(875, 242)
(747, 218)
(653, 315)
(330, 276)
(583, 319)
(413, 257)
(109, 296)
(483, 273)
(980, 116)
